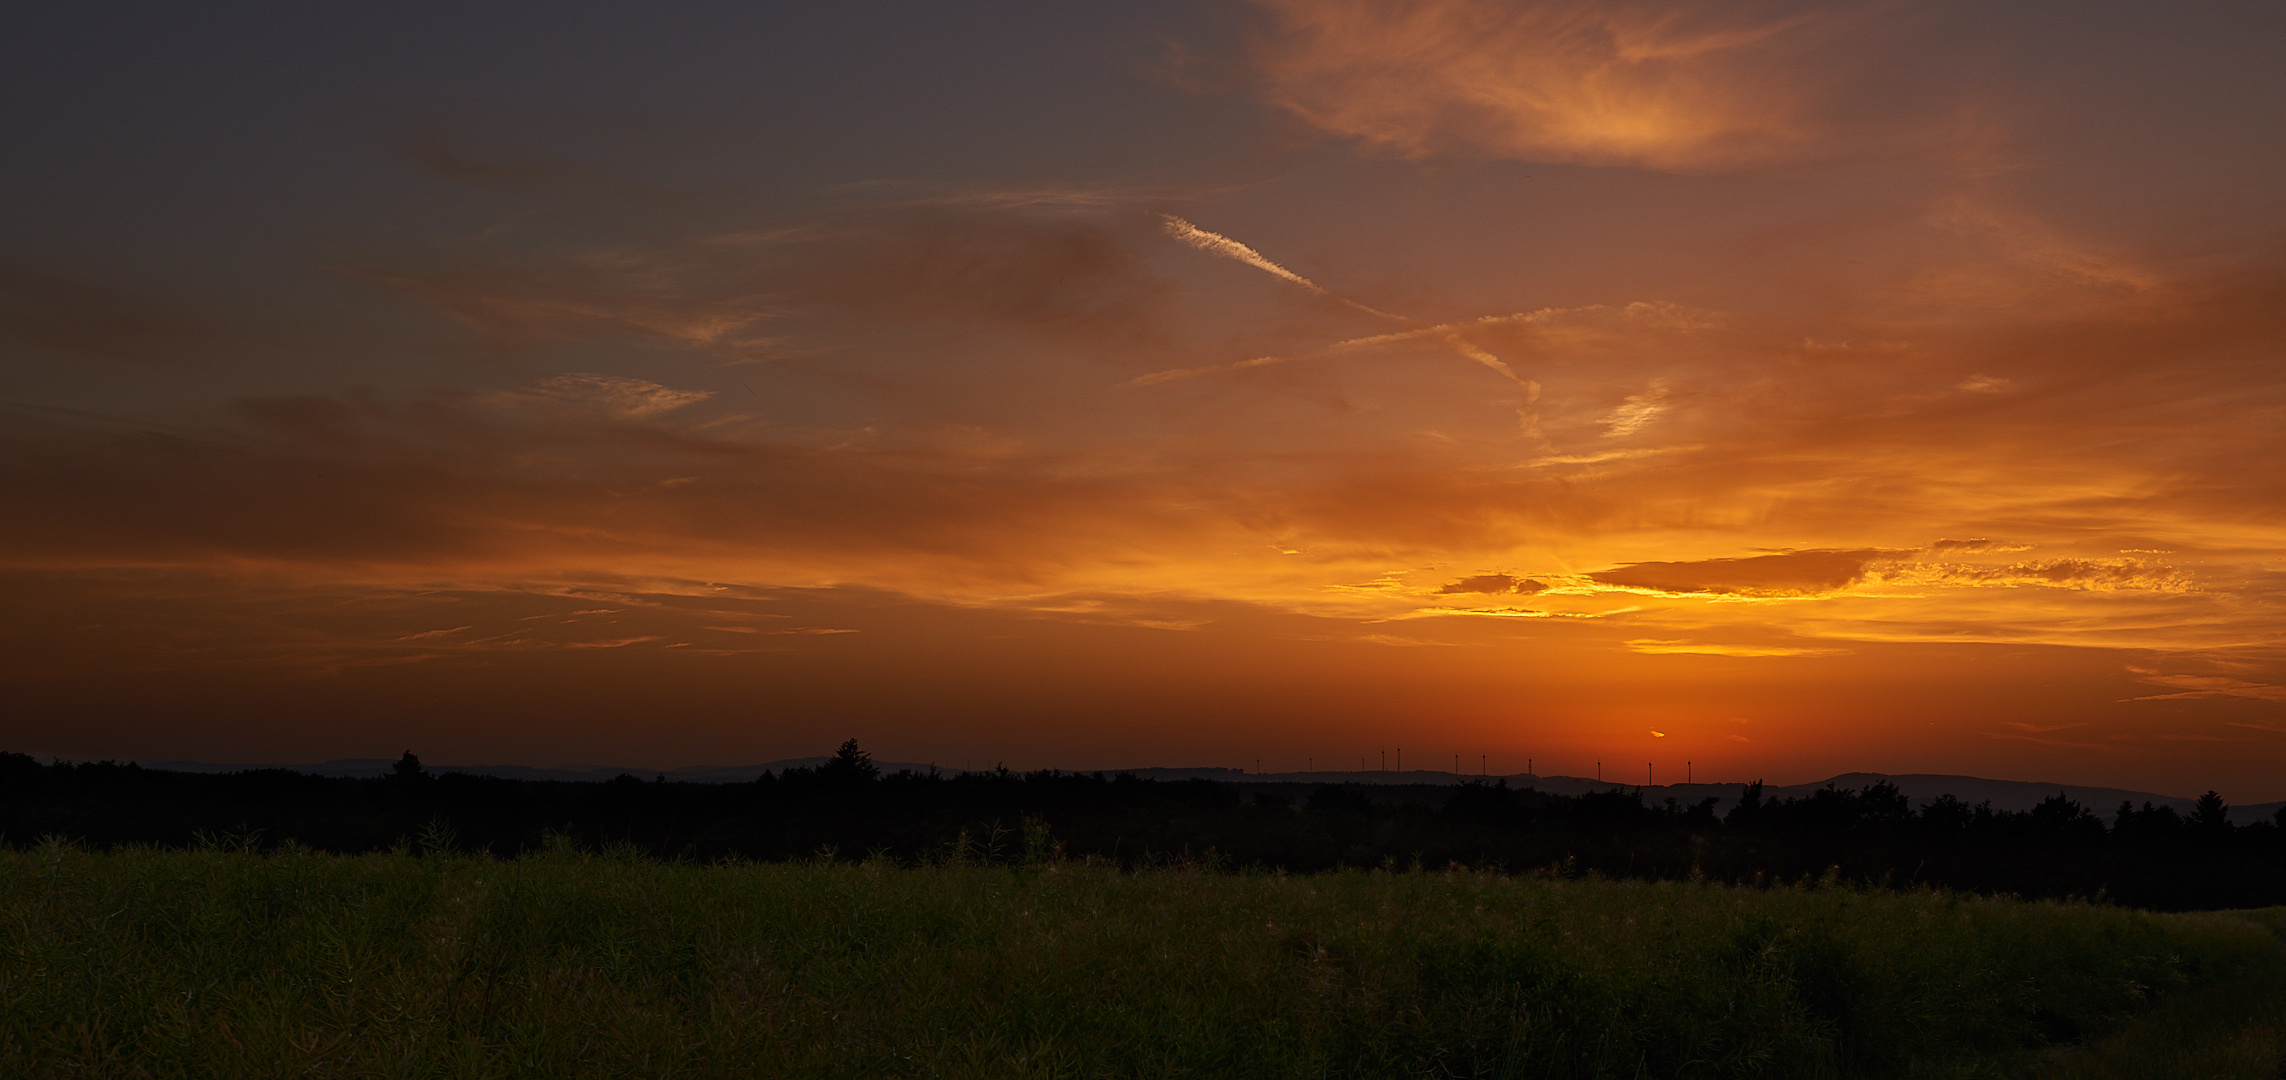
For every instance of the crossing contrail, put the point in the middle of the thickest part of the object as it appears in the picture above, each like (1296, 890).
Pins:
(1214, 243)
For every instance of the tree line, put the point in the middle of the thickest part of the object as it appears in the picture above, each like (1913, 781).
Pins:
(847, 808)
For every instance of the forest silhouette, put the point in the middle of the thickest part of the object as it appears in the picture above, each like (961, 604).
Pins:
(849, 809)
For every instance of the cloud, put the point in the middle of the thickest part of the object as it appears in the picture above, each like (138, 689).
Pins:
(320, 419)
(1518, 613)
(2083, 574)
(2208, 686)
(1636, 412)
(1178, 374)
(2012, 258)
(437, 152)
(1493, 583)
(519, 303)
(1605, 456)
(103, 321)
(1660, 86)
(611, 395)
(1050, 273)
(848, 474)
(1059, 271)
(2042, 734)
(1692, 648)
(612, 643)
(425, 634)
(1800, 573)
(1494, 613)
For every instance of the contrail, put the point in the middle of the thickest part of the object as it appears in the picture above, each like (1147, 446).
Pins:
(1218, 244)
(1174, 374)
(1214, 243)
(1526, 417)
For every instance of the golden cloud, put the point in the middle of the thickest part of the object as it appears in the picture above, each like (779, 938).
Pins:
(1693, 648)
(1797, 573)
(2085, 574)
(1661, 86)
(1493, 583)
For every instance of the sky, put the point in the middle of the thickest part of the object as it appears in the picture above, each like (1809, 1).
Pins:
(1733, 390)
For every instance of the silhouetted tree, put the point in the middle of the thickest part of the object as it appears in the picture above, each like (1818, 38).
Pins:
(1490, 804)
(1947, 814)
(850, 765)
(2061, 818)
(408, 769)
(1884, 804)
(1749, 808)
(2211, 816)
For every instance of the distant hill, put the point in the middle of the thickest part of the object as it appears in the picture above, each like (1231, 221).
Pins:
(1922, 788)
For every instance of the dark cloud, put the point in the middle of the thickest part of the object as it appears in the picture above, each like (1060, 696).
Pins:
(434, 152)
(1047, 273)
(1493, 583)
(521, 480)
(524, 304)
(1797, 573)
(89, 319)
(314, 418)
(1055, 275)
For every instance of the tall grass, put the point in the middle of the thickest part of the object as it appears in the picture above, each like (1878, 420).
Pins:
(567, 964)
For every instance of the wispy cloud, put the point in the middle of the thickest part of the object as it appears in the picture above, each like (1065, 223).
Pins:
(613, 395)
(1697, 648)
(2208, 686)
(1636, 412)
(1666, 87)
(427, 634)
(1796, 573)
(2084, 574)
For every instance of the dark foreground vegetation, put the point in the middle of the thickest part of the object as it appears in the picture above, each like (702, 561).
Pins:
(226, 961)
(2137, 856)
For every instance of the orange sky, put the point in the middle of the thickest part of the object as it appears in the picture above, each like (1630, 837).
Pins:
(1888, 387)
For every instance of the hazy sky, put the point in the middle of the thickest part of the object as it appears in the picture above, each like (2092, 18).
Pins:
(1785, 389)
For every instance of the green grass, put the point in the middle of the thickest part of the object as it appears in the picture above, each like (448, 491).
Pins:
(239, 964)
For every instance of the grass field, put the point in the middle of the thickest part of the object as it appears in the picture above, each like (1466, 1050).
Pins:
(218, 963)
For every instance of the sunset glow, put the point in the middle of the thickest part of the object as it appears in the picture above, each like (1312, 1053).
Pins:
(1784, 389)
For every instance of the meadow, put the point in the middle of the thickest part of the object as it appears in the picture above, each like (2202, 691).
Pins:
(224, 960)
